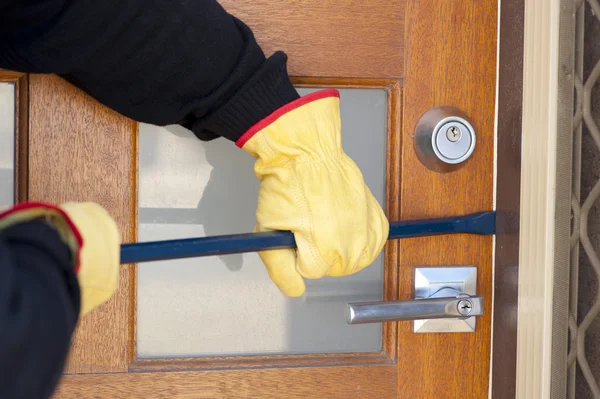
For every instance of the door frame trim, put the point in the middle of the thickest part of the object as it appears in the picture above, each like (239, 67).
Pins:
(509, 108)
(21, 82)
(523, 334)
(538, 201)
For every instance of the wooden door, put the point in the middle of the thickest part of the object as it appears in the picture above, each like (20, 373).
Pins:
(421, 54)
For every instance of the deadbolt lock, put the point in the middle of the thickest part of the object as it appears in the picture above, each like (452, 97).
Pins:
(444, 139)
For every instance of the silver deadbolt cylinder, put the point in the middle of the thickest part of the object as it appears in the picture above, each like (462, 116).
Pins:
(444, 139)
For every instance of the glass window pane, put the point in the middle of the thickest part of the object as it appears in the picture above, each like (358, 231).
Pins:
(227, 305)
(7, 144)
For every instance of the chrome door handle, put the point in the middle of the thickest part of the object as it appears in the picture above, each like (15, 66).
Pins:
(455, 307)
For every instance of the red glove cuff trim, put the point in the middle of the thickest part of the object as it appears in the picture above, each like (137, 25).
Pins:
(30, 205)
(263, 123)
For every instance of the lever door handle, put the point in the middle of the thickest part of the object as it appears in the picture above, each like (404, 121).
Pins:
(457, 307)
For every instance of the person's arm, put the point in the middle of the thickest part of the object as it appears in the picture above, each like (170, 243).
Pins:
(189, 62)
(156, 61)
(56, 264)
(39, 306)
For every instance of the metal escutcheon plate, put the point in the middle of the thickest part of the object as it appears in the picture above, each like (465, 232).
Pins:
(432, 282)
(444, 139)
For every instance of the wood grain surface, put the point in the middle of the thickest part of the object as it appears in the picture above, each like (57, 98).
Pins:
(294, 383)
(79, 150)
(450, 59)
(339, 38)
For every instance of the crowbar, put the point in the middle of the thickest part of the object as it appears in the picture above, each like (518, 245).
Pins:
(482, 223)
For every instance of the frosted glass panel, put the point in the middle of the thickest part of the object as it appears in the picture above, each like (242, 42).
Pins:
(7, 144)
(227, 305)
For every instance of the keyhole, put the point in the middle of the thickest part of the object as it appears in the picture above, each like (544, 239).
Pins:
(453, 134)
(465, 307)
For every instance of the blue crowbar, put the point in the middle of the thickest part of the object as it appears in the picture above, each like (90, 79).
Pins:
(482, 223)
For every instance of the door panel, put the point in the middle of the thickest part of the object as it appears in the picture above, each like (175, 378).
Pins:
(422, 54)
(227, 305)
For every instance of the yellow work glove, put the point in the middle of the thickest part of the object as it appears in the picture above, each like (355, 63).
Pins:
(312, 188)
(91, 234)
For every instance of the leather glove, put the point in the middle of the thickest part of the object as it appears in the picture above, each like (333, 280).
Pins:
(91, 235)
(312, 188)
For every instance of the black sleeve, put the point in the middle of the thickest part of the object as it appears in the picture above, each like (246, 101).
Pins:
(156, 61)
(39, 307)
